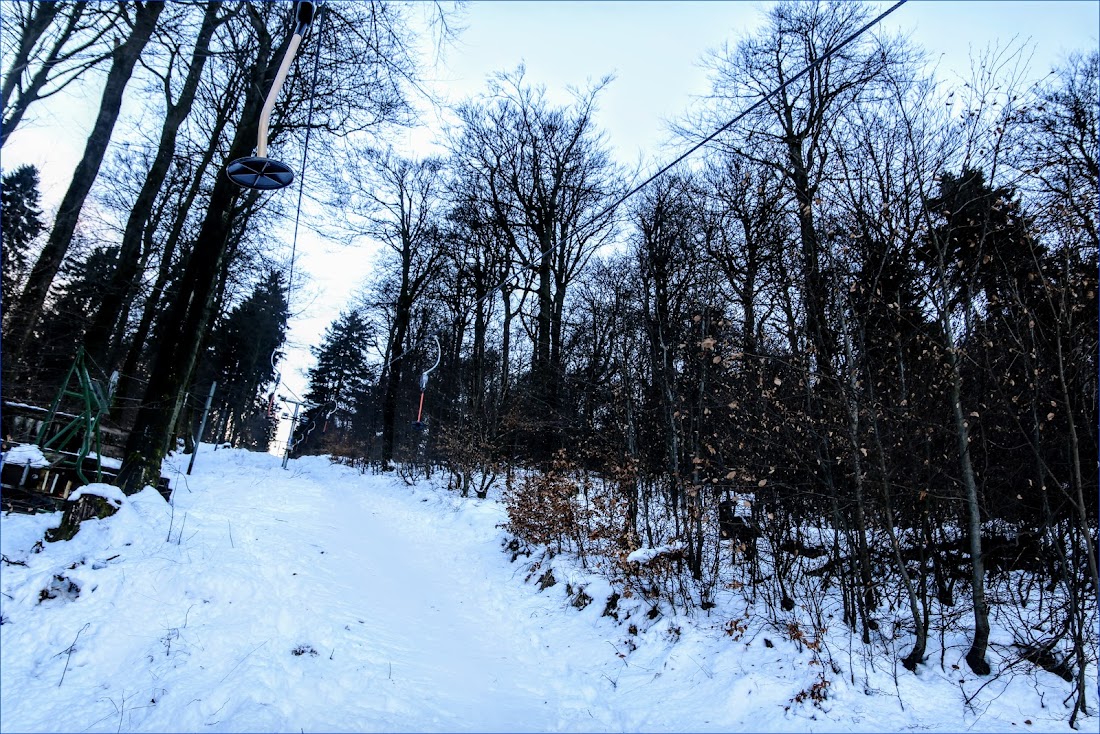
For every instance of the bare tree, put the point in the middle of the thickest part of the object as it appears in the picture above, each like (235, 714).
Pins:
(401, 201)
(50, 45)
(376, 64)
(123, 59)
(548, 181)
(794, 125)
(119, 290)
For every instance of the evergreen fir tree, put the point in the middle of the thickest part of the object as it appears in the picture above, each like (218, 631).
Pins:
(241, 357)
(986, 237)
(20, 224)
(336, 384)
(60, 332)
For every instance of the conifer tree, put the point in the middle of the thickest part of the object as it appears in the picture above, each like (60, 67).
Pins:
(336, 384)
(242, 354)
(21, 223)
(64, 322)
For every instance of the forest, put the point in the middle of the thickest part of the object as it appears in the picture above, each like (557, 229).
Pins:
(847, 350)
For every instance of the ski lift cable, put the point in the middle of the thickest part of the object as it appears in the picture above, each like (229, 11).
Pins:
(305, 153)
(305, 16)
(683, 156)
(752, 108)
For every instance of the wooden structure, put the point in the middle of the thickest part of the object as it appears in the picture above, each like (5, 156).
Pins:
(29, 489)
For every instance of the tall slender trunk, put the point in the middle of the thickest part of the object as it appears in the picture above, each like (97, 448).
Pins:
(394, 373)
(138, 346)
(506, 347)
(116, 344)
(124, 58)
(545, 379)
(477, 381)
(103, 323)
(867, 601)
(918, 597)
(975, 657)
(1080, 506)
(631, 445)
(814, 289)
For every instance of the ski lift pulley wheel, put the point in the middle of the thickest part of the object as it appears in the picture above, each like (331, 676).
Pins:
(265, 174)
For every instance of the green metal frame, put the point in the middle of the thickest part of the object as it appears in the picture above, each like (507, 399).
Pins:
(78, 384)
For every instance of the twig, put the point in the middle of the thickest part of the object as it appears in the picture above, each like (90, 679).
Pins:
(70, 649)
(231, 545)
(616, 649)
(239, 663)
(171, 521)
(121, 711)
(213, 723)
(708, 675)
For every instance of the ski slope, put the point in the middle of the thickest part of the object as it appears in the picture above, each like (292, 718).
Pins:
(319, 599)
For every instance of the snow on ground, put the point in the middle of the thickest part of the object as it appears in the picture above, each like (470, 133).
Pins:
(319, 599)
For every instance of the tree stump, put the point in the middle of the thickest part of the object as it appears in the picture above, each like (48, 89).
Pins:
(84, 508)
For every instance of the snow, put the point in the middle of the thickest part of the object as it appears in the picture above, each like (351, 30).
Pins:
(28, 453)
(107, 462)
(645, 555)
(318, 598)
(24, 454)
(109, 492)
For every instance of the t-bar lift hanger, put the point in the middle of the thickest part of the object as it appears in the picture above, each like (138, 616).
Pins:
(418, 424)
(259, 171)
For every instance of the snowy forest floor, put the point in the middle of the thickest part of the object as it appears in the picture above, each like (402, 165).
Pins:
(321, 599)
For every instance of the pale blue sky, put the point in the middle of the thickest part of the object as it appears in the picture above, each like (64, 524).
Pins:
(653, 47)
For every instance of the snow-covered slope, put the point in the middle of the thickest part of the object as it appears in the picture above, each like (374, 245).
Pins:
(319, 599)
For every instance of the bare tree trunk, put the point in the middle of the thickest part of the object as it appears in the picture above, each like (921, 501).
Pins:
(975, 658)
(124, 58)
(104, 321)
(394, 373)
(506, 347)
(127, 390)
(866, 601)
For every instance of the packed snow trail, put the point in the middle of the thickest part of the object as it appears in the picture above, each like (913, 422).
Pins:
(429, 635)
(410, 626)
